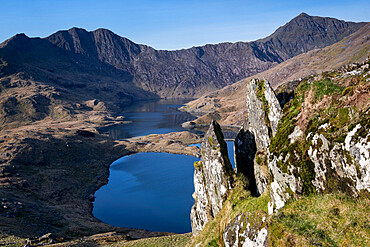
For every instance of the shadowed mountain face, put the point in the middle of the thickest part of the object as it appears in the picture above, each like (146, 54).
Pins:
(101, 61)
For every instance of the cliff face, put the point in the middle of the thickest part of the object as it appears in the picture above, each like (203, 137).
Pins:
(212, 178)
(317, 145)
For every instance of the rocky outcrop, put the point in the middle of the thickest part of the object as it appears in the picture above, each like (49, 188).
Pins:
(251, 156)
(349, 161)
(253, 140)
(334, 166)
(329, 153)
(283, 185)
(213, 178)
(247, 229)
(318, 144)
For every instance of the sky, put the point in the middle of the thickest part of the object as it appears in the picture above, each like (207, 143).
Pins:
(169, 25)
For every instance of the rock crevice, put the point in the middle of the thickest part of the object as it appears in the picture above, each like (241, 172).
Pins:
(253, 140)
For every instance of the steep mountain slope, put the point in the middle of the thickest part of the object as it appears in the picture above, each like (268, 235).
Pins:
(75, 58)
(225, 105)
(305, 33)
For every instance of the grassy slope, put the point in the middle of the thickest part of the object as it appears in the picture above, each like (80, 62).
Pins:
(238, 201)
(315, 220)
(179, 240)
(322, 220)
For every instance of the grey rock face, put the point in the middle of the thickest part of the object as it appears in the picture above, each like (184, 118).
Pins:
(275, 113)
(212, 178)
(282, 186)
(200, 212)
(256, 116)
(247, 229)
(353, 167)
(348, 164)
(251, 144)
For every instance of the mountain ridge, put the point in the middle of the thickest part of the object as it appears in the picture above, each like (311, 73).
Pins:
(225, 102)
(185, 73)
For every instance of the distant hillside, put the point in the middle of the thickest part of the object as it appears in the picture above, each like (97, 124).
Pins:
(105, 66)
(225, 104)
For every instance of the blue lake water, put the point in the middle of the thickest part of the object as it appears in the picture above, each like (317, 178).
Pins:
(150, 117)
(150, 191)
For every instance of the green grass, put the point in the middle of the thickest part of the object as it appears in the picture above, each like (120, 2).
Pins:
(322, 220)
(260, 90)
(326, 87)
(179, 240)
(287, 123)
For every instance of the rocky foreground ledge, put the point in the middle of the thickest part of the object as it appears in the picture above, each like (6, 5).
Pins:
(302, 170)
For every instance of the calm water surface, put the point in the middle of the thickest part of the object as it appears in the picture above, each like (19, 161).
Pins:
(149, 190)
(150, 117)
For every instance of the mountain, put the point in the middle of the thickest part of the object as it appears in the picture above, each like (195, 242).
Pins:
(101, 61)
(225, 106)
(305, 33)
(56, 91)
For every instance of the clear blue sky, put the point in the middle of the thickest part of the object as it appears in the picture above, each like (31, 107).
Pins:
(165, 24)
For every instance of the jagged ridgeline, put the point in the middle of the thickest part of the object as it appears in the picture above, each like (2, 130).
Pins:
(302, 166)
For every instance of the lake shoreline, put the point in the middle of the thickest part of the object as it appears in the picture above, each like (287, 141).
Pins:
(53, 191)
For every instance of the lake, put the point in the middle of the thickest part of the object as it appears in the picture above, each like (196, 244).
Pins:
(150, 191)
(150, 117)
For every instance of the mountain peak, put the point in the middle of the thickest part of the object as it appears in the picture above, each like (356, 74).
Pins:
(103, 30)
(77, 29)
(21, 35)
(305, 32)
(18, 38)
(303, 14)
